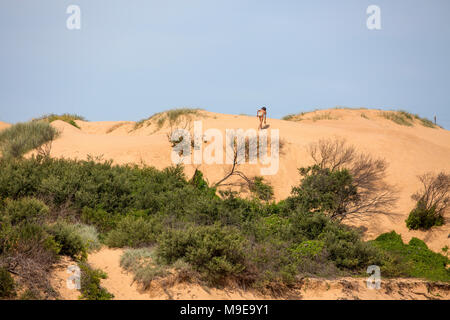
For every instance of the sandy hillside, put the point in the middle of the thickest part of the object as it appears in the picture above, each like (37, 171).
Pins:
(4, 125)
(410, 151)
(120, 283)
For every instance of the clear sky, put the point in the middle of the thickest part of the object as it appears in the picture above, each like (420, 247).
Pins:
(133, 58)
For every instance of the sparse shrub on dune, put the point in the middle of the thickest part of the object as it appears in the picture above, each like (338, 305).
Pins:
(142, 263)
(20, 138)
(433, 200)
(66, 117)
(171, 116)
(405, 118)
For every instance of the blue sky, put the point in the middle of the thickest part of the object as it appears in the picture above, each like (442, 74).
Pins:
(134, 58)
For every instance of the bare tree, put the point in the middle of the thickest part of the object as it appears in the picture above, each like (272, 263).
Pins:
(368, 173)
(238, 149)
(435, 192)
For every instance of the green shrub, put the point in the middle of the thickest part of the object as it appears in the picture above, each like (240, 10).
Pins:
(324, 190)
(90, 284)
(66, 117)
(261, 190)
(142, 262)
(20, 138)
(25, 210)
(414, 259)
(214, 251)
(7, 284)
(422, 217)
(88, 235)
(134, 232)
(103, 220)
(69, 239)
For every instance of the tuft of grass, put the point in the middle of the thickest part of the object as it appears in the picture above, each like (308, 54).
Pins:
(171, 115)
(20, 138)
(323, 116)
(66, 117)
(116, 126)
(142, 263)
(406, 118)
(363, 115)
(398, 117)
(289, 117)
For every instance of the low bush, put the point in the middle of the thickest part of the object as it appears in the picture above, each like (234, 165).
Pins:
(7, 285)
(142, 262)
(424, 218)
(91, 288)
(261, 190)
(25, 210)
(69, 239)
(134, 232)
(214, 251)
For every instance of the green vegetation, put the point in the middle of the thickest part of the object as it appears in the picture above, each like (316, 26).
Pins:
(169, 222)
(66, 117)
(405, 118)
(7, 284)
(172, 116)
(432, 202)
(414, 258)
(142, 263)
(20, 138)
(90, 284)
(261, 190)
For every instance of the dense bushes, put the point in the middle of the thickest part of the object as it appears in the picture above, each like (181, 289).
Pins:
(215, 251)
(134, 232)
(262, 244)
(414, 259)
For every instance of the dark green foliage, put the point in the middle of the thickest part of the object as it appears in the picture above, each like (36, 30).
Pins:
(215, 251)
(324, 190)
(414, 259)
(261, 190)
(7, 285)
(90, 284)
(70, 242)
(20, 138)
(422, 217)
(25, 210)
(257, 243)
(134, 232)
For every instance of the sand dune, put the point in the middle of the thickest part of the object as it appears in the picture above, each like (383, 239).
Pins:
(4, 125)
(410, 151)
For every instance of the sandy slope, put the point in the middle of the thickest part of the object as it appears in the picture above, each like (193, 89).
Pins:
(120, 283)
(410, 151)
(4, 125)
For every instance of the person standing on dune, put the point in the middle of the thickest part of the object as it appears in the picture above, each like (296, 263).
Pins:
(261, 114)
